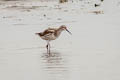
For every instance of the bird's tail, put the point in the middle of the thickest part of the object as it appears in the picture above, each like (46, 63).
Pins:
(40, 34)
(36, 33)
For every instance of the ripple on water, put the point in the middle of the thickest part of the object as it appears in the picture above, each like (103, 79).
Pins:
(55, 65)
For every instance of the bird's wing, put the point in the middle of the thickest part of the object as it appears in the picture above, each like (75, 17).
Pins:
(52, 28)
(48, 31)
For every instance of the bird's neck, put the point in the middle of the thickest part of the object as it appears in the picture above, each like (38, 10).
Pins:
(58, 32)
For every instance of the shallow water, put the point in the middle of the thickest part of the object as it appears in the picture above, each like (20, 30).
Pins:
(61, 64)
(91, 53)
(32, 64)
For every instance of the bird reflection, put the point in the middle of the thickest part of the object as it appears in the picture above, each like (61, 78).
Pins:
(54, 62)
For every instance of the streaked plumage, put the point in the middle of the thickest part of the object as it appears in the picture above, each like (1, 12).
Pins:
(51, 34)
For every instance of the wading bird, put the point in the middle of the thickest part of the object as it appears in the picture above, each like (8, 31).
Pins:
(52, 34)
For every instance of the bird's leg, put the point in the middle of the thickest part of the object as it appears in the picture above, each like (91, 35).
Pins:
(47, 47)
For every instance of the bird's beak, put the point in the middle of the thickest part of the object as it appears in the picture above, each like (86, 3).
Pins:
(68, 31)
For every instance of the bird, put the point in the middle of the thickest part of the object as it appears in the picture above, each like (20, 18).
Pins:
(96, 5)
(52, 34)
(102, 0)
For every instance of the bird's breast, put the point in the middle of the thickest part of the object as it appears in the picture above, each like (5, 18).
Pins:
(49, 36)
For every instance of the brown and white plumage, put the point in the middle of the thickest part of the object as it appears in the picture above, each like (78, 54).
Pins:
(52, 34)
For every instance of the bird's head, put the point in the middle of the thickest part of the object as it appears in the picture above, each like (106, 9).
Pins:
(63, 27)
